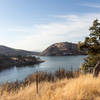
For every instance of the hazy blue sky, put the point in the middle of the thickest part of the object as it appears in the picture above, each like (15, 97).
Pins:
(36, 24)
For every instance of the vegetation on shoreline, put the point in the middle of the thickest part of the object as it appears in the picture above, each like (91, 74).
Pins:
(84, 87)
(42, 77)
(10, 61)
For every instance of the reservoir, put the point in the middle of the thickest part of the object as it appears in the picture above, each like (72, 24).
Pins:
(51, 64)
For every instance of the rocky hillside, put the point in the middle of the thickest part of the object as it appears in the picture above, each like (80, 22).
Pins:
(62, 49)
(14, 52)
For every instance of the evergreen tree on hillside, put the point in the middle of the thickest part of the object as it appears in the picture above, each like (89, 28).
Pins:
(92, 46)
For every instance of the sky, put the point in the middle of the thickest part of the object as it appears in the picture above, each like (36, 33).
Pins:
(36, 24)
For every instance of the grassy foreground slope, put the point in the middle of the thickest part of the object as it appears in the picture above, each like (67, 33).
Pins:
(84, 87)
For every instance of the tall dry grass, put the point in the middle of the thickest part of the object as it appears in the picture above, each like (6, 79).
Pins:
(84, 87)
(39, 77)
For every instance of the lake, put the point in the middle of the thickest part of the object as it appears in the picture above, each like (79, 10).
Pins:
(51, 64)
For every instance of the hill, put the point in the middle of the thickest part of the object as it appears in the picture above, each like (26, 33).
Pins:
(84, 87)
(62, 49)
(15, 52)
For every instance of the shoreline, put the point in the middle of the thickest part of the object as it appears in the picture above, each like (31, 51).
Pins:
(7, 62)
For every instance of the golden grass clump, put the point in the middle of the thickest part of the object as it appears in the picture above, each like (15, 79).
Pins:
(84, 87)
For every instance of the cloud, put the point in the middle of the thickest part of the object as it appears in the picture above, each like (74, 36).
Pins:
(73, 29)
(92, 5)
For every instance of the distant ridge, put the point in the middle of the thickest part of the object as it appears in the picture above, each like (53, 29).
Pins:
(15, 52)
(62, 49)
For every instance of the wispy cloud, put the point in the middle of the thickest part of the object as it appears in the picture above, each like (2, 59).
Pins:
(74, 29)
(92, 5)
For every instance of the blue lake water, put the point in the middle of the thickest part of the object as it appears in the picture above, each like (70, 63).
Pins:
(51, 64)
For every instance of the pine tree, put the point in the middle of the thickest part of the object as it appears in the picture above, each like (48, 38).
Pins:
(92, 46)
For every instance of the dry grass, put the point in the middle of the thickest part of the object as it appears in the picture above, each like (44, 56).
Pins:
(84, 87)
(39, 77)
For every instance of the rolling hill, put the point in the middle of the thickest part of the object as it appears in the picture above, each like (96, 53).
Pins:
(4, 50)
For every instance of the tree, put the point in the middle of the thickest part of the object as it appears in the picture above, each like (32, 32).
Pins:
(92, 46)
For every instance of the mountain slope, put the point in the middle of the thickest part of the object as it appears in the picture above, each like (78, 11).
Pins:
(62, 49)
(14, 52)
